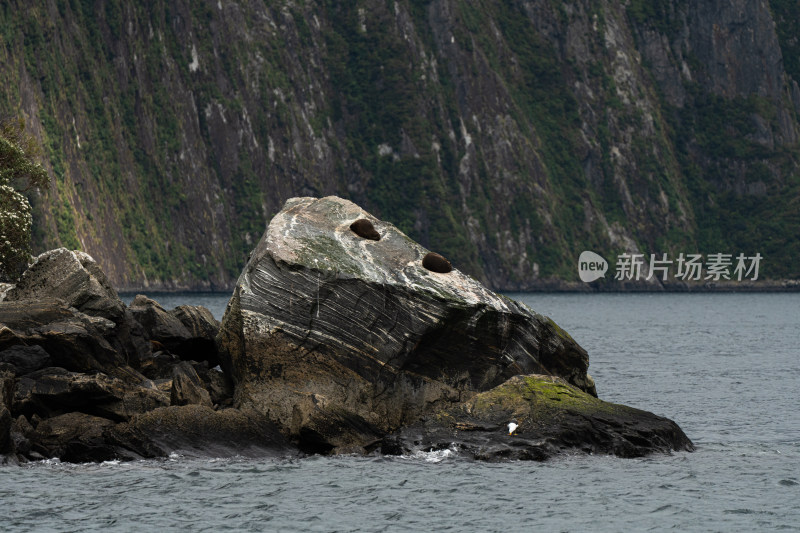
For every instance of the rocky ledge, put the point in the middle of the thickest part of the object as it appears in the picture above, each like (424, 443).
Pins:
(84, 377)
(342, 336)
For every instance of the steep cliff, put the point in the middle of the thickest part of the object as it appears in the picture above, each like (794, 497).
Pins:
(509, 136)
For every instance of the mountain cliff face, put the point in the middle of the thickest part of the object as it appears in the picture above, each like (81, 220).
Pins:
(508, 136)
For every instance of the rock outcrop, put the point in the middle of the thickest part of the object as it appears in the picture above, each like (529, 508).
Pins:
(553, 417)
(72, 364)
(341, 339)
(198, 430)
(75, 279)
(187, 331)
(333, 342)
(187, 387)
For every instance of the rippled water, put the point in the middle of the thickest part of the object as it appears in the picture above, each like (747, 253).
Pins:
(726, 367)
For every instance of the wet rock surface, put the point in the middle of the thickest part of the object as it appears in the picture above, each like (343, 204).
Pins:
(552, 417)
(197, 430)
(76, 363)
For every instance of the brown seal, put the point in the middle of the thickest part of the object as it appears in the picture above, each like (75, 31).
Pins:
(436, 263)
(364, 228)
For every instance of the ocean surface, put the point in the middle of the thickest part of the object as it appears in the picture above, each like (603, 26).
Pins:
(726, 367)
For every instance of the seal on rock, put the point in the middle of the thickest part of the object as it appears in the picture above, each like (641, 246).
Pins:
(436, 263)
(364, 228)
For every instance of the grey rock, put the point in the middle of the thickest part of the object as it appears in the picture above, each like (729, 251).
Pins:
(72, 339)
(197, 430)
(159, 325)
(26, 359)
(219, 386)
(74, 437)
(203, 329)
(198, 320)
(74, 277)
(324, 325)
(54, 391)
(187, 387)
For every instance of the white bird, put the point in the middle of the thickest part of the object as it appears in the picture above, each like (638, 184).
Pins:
(512, 426)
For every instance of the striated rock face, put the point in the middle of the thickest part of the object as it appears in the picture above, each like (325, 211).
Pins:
(54, 391)
(69, 338)
(74, 277)
(339, 338)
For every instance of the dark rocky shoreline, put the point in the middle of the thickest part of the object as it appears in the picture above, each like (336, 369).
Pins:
(331, 343)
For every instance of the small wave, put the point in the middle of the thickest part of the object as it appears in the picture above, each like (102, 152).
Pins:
(747, 511)
(433, 456)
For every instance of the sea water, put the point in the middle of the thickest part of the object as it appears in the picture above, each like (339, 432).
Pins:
(726, 367)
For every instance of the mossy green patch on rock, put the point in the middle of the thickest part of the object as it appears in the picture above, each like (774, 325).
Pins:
(552, 416)
(536, 397)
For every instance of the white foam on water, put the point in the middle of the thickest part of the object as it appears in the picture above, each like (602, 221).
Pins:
(433, 456)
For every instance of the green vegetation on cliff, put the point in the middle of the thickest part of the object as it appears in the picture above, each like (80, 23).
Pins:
(507, 136)
(19, 173)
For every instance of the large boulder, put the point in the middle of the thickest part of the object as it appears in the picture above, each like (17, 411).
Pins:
(74, 278)
(552, 417)
(341, 338)
(187, 331)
